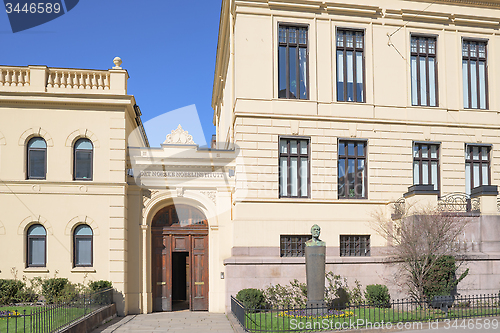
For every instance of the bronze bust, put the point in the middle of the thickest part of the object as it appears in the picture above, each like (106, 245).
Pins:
(315, 241)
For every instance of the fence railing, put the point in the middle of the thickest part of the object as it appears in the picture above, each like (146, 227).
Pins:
(406, 314)
(50, 318)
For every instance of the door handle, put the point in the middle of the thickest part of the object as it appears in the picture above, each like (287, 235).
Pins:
(198, 283)
(161, 283)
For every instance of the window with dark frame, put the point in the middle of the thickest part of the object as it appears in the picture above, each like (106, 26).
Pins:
(352, 169)
(36, 243)
(350, 65)
(292, 62)
(36, 158)
(354, 245)
(426, 164)
(474, 74)
(477, 166)
(83, 246)
(424, 88)
(294, 168)
(82, 159)
(293, 245)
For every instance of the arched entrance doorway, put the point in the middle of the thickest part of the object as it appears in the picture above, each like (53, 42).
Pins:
(180, 259)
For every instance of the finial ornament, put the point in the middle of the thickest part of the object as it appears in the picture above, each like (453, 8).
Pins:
(179, 136)
(118, 62)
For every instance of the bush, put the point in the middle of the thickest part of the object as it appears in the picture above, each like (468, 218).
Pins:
(378, 295)
(293, 295)
(54, 289)
(11, 291)
(251, 298)
(98, 285)
(441, 279)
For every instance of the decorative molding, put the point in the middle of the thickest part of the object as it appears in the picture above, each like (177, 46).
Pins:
(179, 136)
(147, 196)
(212, 195)
(34, 220)
(82, 133)
(32, 132)
(75, 221)
(180, 192)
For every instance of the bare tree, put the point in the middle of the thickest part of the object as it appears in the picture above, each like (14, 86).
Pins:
(417, 238)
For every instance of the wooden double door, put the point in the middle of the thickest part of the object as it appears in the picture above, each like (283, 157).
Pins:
(180, 268)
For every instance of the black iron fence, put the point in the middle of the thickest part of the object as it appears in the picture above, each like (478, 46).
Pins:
(401, 314)
(50, 318)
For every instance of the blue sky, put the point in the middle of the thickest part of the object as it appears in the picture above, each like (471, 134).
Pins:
(168, 48)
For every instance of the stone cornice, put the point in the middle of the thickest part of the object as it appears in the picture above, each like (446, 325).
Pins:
(470, 3)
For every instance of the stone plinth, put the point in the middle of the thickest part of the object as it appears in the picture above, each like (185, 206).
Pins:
(315, 274)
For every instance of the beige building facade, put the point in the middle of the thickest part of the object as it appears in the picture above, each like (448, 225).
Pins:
(325, 113)
(341, 108)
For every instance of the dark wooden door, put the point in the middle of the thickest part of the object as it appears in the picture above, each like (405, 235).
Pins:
(171, 234)
(199, 273)
(162, 273)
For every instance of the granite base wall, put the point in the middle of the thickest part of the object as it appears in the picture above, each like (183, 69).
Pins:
(260, 272)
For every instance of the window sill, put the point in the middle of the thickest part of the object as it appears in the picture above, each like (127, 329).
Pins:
(35, 270)
(83, 270)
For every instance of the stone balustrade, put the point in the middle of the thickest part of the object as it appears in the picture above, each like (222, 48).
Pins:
(63, 80)
(59, 78)
(14, 76)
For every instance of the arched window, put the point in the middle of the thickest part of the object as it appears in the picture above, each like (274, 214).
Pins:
(82, 252)
(37, 158)
(37, 246)
(82, 159)
(179, 216)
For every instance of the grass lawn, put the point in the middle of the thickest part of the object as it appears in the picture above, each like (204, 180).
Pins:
(276, 321)
(37, 318)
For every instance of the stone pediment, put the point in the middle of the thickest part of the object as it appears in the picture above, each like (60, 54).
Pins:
(179, 136)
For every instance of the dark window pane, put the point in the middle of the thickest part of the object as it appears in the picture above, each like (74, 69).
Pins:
(282, 72)
(341, 148)
(37, 163)
(350, 149)
(83, 255)
(83, 165)
(351, 169)
(303, 73)
(36, 251)
(293, 71)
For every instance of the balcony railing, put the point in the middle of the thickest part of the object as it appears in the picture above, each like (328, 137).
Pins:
(458, 202)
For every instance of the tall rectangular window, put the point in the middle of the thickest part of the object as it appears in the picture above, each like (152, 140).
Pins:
(350, 66)
(426, 164)
(424, 90)
(477, 167)
(354, 245)
(292, 62)
(294, 167)
(474, 74)
(352, 169)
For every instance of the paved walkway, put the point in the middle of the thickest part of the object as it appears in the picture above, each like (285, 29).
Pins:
(178, 321)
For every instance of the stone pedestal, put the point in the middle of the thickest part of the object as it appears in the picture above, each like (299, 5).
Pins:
(315, 273)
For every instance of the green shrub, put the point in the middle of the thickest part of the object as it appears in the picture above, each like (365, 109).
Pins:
(378, 295)
(98, 285)
(55, 289)
(251, 298)
(11, 291)
(441, 279)
(293, 295)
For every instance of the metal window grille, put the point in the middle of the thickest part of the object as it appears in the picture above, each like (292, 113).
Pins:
(293, 245)
(354, 245)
